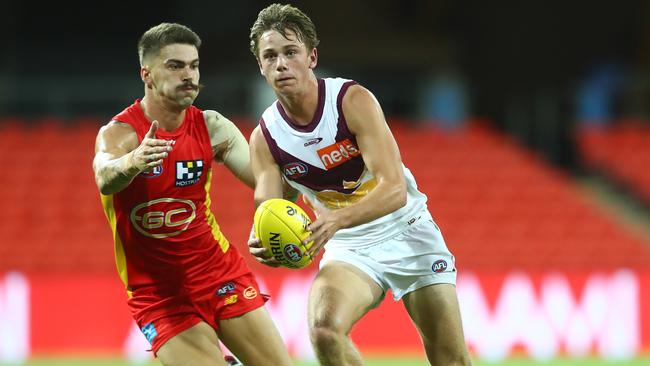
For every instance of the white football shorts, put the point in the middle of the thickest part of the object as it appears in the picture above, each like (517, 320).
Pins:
(415, 258)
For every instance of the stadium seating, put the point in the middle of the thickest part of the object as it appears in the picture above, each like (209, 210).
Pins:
(498, 205)
(621, 151)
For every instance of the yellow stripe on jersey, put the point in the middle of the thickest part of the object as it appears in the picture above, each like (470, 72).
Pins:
(120, 257)
(209, 217)
(335, 200)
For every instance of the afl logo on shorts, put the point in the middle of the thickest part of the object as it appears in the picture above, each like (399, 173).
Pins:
(439, 266)
(295, 170)
(163, 217)
(250, 292)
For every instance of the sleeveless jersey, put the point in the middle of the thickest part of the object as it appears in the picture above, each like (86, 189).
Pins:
(165, 234)
(323, 162)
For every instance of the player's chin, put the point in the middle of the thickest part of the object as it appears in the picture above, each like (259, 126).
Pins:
(284, 89)
(186, 101)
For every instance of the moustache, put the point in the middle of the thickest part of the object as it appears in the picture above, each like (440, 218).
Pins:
(190, 85)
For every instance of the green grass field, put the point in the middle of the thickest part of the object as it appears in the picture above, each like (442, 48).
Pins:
(369, 362)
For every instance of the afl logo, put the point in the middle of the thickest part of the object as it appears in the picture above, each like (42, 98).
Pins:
(439, 266)
(155, 172)
(163, 217)
(294, 170)
(292, 252)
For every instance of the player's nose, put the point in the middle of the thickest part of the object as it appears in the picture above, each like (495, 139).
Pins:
(281, 63)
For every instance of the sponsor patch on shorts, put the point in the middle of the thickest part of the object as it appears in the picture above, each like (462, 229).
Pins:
(149, 332)
(230, 300)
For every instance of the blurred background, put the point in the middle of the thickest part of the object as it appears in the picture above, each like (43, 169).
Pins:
(525, 123)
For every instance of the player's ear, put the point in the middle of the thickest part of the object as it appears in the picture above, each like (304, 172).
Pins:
(313, 58)
(145, 75)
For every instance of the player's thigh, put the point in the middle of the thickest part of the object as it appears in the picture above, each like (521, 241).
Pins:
(254, 339)
(340, 295)
(435, 312)
(197, 345)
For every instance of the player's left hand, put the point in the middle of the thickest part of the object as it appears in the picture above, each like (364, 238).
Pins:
(322, 229)
(260, 253)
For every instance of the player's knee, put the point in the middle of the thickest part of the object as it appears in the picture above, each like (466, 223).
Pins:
(324, 338)
(325, 332)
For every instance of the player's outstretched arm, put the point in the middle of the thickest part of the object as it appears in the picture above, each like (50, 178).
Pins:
(382, 158)
(119, 157)
(229, 146)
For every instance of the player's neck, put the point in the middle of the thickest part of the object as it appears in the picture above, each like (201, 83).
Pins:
(301, 106)
(168, 118)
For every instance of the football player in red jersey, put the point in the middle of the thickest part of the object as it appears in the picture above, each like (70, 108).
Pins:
(328, 139)
(188, 287)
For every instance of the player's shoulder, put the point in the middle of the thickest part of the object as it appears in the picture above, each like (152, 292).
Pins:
(114, 127)
(358, 96)
(116, 133)
(212, 116)
(215, 120)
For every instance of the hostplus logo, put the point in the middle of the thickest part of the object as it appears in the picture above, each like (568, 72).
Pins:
(188, 172)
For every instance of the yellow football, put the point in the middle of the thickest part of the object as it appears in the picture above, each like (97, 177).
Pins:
(281, 226)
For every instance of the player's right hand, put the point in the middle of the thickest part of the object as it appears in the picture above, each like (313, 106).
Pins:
(151, 151)
(259, 252)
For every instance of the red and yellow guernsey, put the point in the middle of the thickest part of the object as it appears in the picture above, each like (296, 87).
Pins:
(166, 238)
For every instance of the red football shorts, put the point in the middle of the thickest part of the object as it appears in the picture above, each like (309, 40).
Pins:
(161, 318)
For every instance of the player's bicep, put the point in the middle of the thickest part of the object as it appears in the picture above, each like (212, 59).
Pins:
(113, 141)
(268, 181)
(229, 146)
(376, 142)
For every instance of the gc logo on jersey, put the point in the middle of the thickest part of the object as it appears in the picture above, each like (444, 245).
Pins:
(188, 172)
(163, 217)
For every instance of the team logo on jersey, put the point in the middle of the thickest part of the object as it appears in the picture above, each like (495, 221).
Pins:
(155, 172)
(313, 141)
(439, 266)
(338, 153)
(188, 172)
(163, 217)
(295, 170)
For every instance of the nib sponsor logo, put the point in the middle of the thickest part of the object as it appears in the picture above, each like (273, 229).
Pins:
(338, 153)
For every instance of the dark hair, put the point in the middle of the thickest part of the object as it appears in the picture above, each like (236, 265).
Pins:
(280, 18)
(164, 34)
